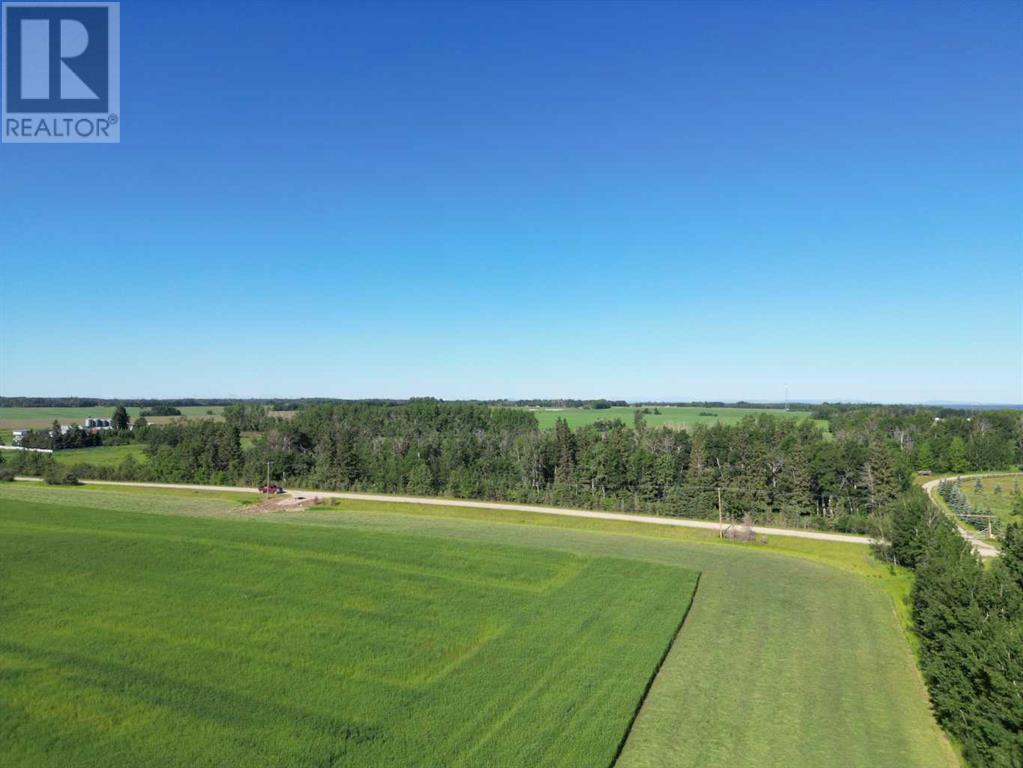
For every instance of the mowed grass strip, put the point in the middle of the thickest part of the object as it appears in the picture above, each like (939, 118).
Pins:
(159, 640)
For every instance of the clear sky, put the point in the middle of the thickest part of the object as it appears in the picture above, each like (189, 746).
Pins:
(669, 200)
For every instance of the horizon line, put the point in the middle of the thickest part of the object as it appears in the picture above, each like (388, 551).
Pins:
(628, 401)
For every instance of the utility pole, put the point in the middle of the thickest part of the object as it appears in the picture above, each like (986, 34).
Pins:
(268, 479)
(721, 517)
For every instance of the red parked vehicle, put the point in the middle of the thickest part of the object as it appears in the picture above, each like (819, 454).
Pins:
(270, 489)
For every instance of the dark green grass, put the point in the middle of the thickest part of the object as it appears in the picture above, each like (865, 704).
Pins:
(157, 640)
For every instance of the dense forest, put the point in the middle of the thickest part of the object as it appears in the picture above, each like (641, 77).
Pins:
(777, 470)
(970, 623)
(938, 439)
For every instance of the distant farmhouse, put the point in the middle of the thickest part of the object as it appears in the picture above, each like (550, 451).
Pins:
(91, 424)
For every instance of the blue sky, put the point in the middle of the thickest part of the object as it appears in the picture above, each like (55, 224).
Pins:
(670, 200)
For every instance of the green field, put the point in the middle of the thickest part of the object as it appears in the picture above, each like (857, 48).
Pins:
(298, 646)
(999, 501)
(675, 416)
(40, 418)
(103, 455)
(204, 633)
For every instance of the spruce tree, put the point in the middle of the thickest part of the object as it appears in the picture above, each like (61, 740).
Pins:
(120, 418)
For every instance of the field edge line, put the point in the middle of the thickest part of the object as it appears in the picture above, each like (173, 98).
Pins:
(656, 671)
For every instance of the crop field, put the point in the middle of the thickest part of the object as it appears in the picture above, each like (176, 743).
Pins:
(394, 634)
(675, 416)
(997, 494)
(40, 418)
(290, 645)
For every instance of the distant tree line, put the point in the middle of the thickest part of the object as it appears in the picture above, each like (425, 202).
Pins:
(96, 402)
(275, 404)
(938, 439)
(292, 404)
(248, 417)
(608, 403)
(55, 439)
(598, 403)
(970, 623)
(160, 410)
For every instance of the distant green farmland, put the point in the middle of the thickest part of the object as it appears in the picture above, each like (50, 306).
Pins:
(679, 416)
(676, 416)
(207, 632)
(299, 646)
(38, 418)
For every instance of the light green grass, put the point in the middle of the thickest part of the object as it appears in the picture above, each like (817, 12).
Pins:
(103, 455)
(41, 418)
(999, 504)
(165, 501)
(680, 416)
(852, 558)
(151, 640)
(987, 499)
(792, 653)
(113, 455)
